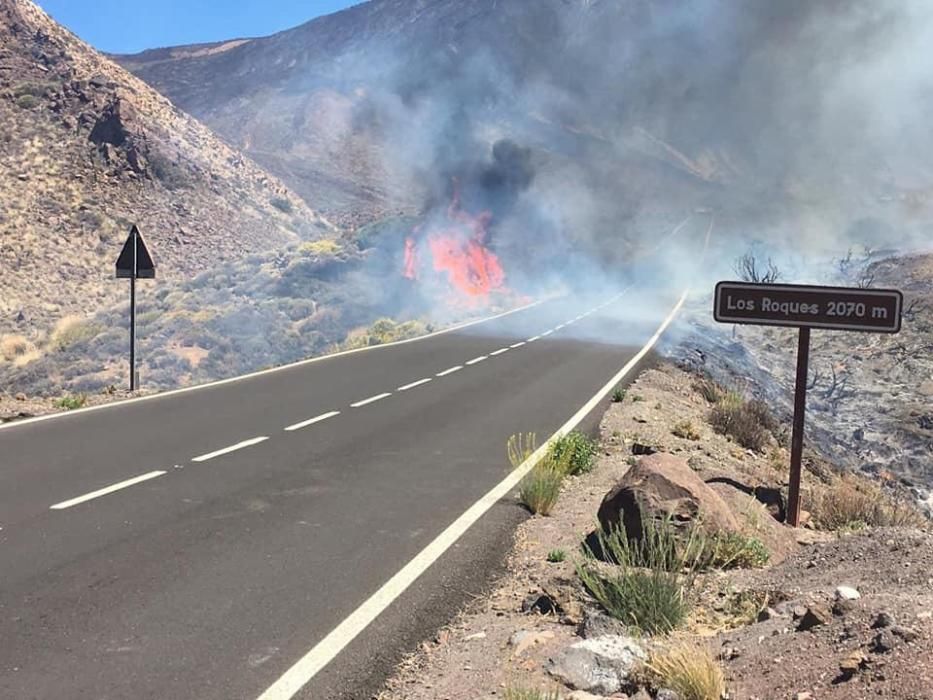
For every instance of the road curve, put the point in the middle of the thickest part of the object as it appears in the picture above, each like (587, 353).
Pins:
(196, 545)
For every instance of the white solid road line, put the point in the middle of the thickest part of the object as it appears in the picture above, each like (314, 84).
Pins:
(312, 421)
(228, 450)
(371, 399)
(477, 360)
(533, 339)
(107, 489)
(547, 333)
(308, 666)
(517, 345)
(560, 327)
(449, 371)
(501, 351)
(414, 384)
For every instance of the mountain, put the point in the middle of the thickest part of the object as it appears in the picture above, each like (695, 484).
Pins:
(86, 150)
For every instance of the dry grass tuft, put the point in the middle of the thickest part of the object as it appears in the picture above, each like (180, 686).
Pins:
(520, 693)
(749, 423)
(541, 488)
(72, 330)
(852, 503)
(520, 447)
(13, 346)
(690, 670)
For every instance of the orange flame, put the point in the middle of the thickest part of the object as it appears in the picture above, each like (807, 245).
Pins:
(458, 249)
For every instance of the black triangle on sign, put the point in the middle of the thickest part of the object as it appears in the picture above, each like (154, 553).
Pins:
(144, 268)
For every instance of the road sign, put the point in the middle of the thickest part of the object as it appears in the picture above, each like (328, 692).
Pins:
(833, 308)
(806, 307)
(134, 263)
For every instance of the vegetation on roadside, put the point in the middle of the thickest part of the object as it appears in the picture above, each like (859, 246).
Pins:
(618, 395)
(748, 422)
(574, 453)
(690, 670)
(385, 330)
(70, 403)
(540, 489)
(556, 556)
(852, 504)
(520, 447)
(521, 693)
(686, 430)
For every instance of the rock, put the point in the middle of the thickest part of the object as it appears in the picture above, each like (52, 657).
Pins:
(666, 694)
(540, 603)
(843, 606)
(905, 633)
(600, 665)
(598, 624)
(853, 663)
(113, 126)
(20, 397)
(583, 695)
(847, 593)
(639, 449)
(642, 694)
(805, 695)
(883, 642)
(883, 619)
(472, 637)
(815, 616)
(526, 639)
(662, 486)
(768, 614)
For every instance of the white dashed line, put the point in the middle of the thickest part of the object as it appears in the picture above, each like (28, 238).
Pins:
(371, 399)
(228, 450)
(537, 337)
(449, 371)
(499, 352)
(477, 360)
(312, 421)
(414, 384)
(547, 333)
(560, 327)
(108, 489)
(517, 345)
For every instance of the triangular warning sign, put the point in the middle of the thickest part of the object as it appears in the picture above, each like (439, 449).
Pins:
(135, 256)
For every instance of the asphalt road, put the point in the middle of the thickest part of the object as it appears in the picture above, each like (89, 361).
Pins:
(207, 571)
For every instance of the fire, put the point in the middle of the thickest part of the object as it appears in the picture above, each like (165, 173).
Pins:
(457, 248)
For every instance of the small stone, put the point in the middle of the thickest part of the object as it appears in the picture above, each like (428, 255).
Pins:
(478, 635)
(815, 616)
(768, 614)
(847, 593)
(883, 619)
(666, 694)
(601, 665)
(540, 603)
(806, 695)
(22, 397)
(905, 633)
(883, 642)
(583, 695)
(853, 663)
(526, 639)
(843, 606)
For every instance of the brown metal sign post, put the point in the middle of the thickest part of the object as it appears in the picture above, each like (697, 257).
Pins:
(806, 307)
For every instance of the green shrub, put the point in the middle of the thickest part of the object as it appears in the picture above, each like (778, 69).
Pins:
(733, 550)
(26, 101)
(70, 403)
(540, 489)
(646, 584)
(574, 453)
(556, 556)
(618, 396)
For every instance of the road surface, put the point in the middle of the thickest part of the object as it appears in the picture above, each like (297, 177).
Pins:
(198, 544)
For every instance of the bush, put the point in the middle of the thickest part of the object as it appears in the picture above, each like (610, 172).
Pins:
(70, 403)
(748, 422)
(618, 396)
(26, 101)
(709, 390)
(556, 556)
(574, 453)
(13, 347)
(540, 489)
(646, 586)
(732, 550)
(282, 204)
(691, 671)
(852, 504)
(325, 247)
(71, 331)
(685, 430)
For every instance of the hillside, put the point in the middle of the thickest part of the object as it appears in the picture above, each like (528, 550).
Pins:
(86, 150)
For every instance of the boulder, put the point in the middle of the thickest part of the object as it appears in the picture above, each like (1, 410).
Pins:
(663, 486)
(601, 665)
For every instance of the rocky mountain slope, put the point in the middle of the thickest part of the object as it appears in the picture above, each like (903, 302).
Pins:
(87, 149)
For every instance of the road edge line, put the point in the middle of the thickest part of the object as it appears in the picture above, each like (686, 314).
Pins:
(308, 666)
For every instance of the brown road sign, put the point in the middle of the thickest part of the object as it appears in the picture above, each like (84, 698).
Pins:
(800, 306)
(806, 307)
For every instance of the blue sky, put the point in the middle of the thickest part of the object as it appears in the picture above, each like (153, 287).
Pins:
(128, 26)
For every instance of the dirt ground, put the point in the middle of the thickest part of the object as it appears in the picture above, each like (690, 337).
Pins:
(494, 645)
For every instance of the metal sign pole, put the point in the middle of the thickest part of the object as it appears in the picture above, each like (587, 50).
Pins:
(133, 312)
(800, 410)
